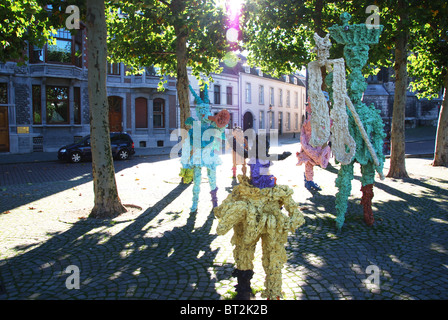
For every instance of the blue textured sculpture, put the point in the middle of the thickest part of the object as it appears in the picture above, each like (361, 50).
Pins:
(199, 149)
(356, 39)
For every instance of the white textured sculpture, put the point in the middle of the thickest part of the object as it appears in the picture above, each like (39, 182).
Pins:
(343, 145)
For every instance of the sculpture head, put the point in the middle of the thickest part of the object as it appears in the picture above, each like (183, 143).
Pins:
(204, 114)
(323, 46)
(356, 55)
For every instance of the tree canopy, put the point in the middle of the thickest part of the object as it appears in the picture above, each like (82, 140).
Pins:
(143, 34)
(22, 22)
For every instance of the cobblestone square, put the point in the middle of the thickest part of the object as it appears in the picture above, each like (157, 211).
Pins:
(164, 252)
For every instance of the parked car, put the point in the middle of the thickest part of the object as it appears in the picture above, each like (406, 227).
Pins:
(121, 143)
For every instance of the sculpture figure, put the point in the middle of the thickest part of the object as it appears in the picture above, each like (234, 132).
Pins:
(199, 149)
(254, 211)
(365, 123)
(309, 155)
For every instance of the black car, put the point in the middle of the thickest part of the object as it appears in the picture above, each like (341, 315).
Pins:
(121, 143)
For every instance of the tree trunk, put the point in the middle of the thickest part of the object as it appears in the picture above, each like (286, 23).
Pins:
(397, 153)
(182, 76)
(178, 7)
(441, 149)
(107, 204)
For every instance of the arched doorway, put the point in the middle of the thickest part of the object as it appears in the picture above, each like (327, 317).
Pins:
(248, 121)
(115, 114)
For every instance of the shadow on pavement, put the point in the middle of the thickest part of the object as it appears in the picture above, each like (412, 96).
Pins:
(21, 184)
(408, 244)
(139, 261)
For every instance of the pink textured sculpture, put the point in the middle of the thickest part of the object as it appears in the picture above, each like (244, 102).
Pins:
(309, 155)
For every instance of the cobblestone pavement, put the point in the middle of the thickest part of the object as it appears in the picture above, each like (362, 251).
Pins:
(164, 252)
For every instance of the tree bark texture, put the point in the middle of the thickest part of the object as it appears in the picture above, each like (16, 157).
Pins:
(441, 148)
(397, 153)
(107, 203)
(182, 76)
(178, 7)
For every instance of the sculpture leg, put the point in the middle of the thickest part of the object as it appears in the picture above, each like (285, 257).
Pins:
(196, 187)
(367, 179)
(274, 257)
(234, 164)
(344, 184)
(211, 173)
(244, 168)
(243, 254)
(309, 175)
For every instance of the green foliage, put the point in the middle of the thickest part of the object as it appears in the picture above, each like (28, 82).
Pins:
(143, 33)
(278, 34)
(428, 61)
(22, 21)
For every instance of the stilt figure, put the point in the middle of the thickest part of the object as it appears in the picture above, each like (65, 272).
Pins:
(199, 149)
(254, 211)
(369, 141)
(239, 151)
(311, 156)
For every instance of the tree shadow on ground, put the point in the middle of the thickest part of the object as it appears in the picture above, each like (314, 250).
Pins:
(27, 182)
(408, 243)
(143, 260)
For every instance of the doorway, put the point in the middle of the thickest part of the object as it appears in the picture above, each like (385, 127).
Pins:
(280, 123)
(4, 129)
(248, 121)
(115, 114)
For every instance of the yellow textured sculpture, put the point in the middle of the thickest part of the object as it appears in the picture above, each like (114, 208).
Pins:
(255, 213)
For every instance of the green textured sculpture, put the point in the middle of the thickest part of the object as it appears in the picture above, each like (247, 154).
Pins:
(356, 39)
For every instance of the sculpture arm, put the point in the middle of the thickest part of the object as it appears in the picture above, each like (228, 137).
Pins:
(229, 214)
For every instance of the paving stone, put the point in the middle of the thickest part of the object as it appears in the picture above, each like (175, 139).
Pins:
(181, 257)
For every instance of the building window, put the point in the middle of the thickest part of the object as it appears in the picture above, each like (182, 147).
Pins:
(3, 93)
(62, 50)
(76, 105)
(113, 68)
(261, 94)
(288, 98)
(67, 49)
(271, 120)
(248, 92)
(57, 105)
(280, 96)
(271, 96)
(296, 99)
(288, 121)
(202, 94)
(37, 104)
(287, 79)
(217, 94)
(77, 54)
(158, 113)
(229, 96)
(296, 121)
(261, 120)
(141, 113)
(36, 54)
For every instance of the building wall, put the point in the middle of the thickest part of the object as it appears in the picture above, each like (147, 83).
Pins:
(26, 135)
(380, 92)
(286, 117)
(224, 81)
